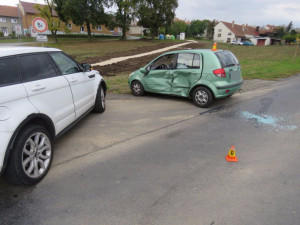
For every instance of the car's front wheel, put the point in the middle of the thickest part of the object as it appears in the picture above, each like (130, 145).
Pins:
(100, 101)
(137, 88)
(202, 97)
(31, 156)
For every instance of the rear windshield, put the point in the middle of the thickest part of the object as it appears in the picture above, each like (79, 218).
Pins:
(227, 59)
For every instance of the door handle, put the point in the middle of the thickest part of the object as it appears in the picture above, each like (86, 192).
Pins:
(73, 80)
(38, 88)
(91, 76)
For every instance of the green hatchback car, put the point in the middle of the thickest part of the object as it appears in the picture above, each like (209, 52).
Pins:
(199, 74)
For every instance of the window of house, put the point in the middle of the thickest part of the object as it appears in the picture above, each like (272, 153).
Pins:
(99, 27)
(69, 26)
(229, 34)
(219, 35)
(2, 19)
(82, 29)
(111, 30)
(14, 20)
(219, 30)
(9, 72)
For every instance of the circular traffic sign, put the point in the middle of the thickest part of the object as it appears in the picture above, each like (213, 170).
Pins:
(39, 24)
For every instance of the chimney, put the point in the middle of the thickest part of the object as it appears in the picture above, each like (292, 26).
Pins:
(232, 23)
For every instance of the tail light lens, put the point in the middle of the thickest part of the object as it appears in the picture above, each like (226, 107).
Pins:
(220, 73)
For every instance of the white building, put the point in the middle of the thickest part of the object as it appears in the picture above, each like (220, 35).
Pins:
(227, 32)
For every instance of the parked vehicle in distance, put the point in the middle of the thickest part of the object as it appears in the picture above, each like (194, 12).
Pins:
(43, 92)
(247, 43)
(200, 74)
(236, 43)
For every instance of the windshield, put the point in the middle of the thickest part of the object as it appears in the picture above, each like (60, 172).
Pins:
(227, 59)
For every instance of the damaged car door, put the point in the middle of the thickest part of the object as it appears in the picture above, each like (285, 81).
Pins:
(159, 78)
(188, 71)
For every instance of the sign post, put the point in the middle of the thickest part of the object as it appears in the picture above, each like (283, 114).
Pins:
(40, 25)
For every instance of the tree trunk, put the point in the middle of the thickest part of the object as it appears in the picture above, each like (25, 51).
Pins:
(124, 38)
(88, 27)
(54, 36)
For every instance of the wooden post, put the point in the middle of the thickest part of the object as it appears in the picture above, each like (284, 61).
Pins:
(296, 51)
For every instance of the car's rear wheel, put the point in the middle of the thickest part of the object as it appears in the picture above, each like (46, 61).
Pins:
(100, 101)
(31, 156)
(202, 97)
(137, 88)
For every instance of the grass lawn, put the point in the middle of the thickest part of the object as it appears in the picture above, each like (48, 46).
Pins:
(268, 63)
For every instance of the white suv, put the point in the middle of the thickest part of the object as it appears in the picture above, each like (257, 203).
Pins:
(43, 92)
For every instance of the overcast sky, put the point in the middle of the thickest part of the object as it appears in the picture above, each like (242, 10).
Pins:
(255, 12)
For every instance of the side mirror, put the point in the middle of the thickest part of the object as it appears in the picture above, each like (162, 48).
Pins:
(87, 67)
(145, 70)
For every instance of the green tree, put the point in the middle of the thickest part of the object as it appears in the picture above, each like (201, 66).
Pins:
(198, 27)
(176, 28)
(84, 12)
(124, 15)
(279, 31)
(47, 12)
(154, 14)
(211, 28)
(289, 27)
(289, 38)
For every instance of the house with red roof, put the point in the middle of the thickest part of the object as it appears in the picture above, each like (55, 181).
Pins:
(9, 19)
(28, 12)
(227, 32)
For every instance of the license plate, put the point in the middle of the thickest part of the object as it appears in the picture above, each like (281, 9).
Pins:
(235, 75)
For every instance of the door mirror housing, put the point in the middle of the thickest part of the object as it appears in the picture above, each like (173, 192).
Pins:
(145, 70)
(86, 67)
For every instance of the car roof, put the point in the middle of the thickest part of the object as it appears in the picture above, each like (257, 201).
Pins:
(193, 51)
(16, 50)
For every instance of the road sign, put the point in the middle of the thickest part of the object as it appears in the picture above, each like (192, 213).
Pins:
(41, 38)
(39, 24)
(33, 32)
(18, 29)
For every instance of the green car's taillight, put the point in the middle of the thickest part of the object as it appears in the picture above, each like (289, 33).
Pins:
(220, 73)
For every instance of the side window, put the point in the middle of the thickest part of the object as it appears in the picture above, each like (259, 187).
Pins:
(9, 71)
(188, 61)
(163, 63)
(64, 63)
(36, 67)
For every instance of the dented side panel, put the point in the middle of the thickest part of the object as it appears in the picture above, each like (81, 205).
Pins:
(158, 81)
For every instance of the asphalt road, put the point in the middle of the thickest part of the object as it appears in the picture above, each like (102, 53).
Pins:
(161, 160)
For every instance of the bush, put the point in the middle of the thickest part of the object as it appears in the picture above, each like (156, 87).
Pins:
(289, 38)
(1, 34)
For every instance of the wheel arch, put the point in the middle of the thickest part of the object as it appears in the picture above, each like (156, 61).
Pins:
(38, 119)
(200, 85)
(103, 84)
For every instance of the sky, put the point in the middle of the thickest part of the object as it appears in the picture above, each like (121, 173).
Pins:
(255, 12)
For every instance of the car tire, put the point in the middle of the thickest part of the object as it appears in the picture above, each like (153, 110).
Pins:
(202, 97)
(137, 88)
(100, 101)
(31, 156)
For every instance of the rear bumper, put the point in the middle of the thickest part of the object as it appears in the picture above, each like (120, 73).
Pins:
(228, 90)
(230, 85)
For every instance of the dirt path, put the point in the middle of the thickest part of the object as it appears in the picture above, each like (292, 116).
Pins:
(123, 58)
(133, 64)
